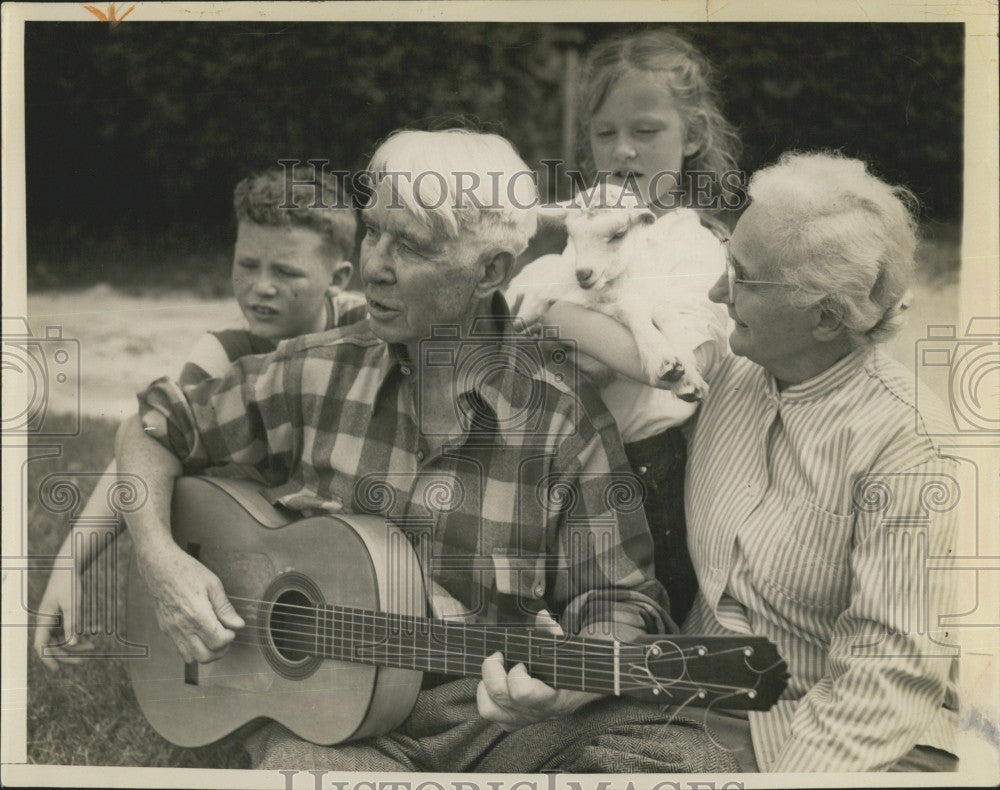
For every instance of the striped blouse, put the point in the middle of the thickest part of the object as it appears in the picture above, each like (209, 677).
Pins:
(811, 513)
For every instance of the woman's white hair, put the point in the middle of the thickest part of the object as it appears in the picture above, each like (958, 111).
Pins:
(456, 180)
(843, 237)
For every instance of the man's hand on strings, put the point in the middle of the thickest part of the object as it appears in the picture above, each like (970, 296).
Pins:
(191, 606)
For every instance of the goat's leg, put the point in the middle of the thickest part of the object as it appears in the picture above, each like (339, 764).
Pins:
(664, 358)
(690, 386)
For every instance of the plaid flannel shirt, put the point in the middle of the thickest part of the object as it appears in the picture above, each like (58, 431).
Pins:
(530, 510)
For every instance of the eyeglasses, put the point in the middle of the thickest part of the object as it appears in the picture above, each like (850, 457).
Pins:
(732, 279)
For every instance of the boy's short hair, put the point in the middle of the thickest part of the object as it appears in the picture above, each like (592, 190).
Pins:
(260, 199)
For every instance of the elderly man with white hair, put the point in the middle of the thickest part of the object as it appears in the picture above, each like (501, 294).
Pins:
(326, 414)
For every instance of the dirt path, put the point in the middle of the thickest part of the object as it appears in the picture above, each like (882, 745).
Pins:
(127, 341)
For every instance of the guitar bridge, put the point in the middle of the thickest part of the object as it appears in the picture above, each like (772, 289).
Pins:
(191, 668)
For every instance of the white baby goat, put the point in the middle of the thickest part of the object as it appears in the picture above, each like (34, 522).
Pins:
(615, 263)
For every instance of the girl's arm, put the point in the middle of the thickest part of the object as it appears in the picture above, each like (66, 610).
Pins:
(603, 338)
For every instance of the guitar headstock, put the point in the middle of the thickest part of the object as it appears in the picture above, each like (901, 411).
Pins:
(735, 672)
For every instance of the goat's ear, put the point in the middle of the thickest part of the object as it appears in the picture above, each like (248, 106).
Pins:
(646, 217)
(553, 214)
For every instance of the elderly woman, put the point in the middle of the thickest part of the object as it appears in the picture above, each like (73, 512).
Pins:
(807, 462)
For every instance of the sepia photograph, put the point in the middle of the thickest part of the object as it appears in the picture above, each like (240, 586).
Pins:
(482, 395)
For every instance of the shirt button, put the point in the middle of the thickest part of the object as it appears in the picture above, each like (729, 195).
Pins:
(420, 455)
(405, 370)
(538, 590)
(643, 470)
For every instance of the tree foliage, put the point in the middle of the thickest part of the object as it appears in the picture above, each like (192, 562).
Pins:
(152, 122)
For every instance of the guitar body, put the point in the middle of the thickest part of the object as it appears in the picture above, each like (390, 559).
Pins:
(269, 565)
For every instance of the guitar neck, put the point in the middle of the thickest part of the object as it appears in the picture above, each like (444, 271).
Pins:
(458, 649)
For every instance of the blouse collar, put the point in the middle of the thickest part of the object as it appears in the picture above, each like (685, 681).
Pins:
(833, 378)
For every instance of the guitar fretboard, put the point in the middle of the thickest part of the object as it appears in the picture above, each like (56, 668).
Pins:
(362, 636)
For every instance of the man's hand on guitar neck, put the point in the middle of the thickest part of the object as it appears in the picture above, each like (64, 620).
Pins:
(515, 699)
(191, 606)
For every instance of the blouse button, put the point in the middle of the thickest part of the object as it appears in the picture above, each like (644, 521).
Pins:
(643, 470)
(538, 590)
(420, 455)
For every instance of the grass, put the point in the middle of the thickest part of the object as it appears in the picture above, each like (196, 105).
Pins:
(87, 714)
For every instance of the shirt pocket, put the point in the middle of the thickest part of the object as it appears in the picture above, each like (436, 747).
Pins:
(520, 582)
(810, 561)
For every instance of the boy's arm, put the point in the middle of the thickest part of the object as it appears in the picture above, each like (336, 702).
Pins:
(61, 603)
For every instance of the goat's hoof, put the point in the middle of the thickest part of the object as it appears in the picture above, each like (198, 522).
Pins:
(692, 389)
(671, 371)
(692, 395)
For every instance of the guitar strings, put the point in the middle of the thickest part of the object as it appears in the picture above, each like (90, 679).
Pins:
(352, 618)
(337, 630)
(577, 649)
(349, 624)
(570, 673)
(582, 679)
(591, 679)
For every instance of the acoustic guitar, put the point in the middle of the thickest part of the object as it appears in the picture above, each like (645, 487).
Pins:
(336, 640)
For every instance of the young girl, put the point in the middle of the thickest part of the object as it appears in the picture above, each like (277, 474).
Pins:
(289, 269)
(651, 117)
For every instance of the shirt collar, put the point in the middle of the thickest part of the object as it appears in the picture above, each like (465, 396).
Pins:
(499, 390)
(833, 378)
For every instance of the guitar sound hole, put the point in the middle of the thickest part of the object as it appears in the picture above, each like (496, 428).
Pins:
(292, 616)
(293, 625)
